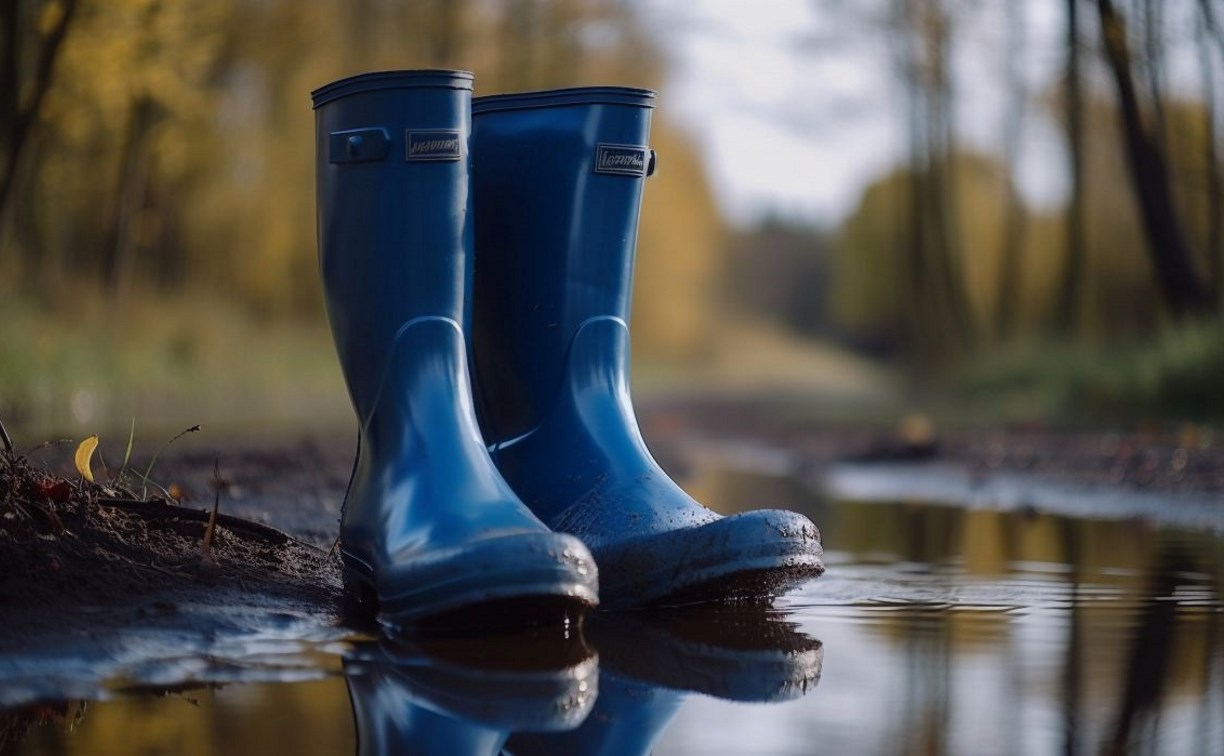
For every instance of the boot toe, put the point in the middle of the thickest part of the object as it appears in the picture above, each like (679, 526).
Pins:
(744, 557)
(521, 569)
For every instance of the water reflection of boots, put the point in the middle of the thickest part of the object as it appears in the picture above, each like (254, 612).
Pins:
(651, 661)
(464, 696)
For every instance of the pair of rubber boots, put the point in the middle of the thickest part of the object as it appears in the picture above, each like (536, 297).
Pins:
(456, 507)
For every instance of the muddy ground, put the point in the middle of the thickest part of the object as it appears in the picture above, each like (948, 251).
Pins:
(100, 590)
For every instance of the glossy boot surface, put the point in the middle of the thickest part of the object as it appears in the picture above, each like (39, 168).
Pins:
(558, 183)
(428, 522)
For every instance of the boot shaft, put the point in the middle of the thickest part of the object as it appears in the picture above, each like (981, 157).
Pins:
(393, 211)
(557, 182)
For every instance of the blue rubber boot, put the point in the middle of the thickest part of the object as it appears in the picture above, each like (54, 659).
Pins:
(428, 523)
(557, 183)
(465, 696)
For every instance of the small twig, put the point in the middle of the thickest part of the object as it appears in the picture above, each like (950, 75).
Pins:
(212, 519)
(4, 436)
(209, 569)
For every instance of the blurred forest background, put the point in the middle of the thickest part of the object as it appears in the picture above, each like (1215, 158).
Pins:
(157, 220)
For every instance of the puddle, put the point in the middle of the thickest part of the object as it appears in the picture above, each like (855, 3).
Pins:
(936, 630)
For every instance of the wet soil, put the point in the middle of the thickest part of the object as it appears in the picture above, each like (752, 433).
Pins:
(80, 564)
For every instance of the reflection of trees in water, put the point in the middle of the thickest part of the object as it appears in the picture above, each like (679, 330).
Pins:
(1168, 649)
(927, 639)
(1141, 631)
(1136, 614)
(1072, 672)
(1148, 661)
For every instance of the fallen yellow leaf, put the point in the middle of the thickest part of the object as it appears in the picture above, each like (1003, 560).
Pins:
(84, 454)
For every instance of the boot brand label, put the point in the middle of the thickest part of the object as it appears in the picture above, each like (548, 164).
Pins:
(620, 160)
(433, 145)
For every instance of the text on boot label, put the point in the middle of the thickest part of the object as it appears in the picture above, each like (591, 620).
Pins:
(620, 159)
(433, 145)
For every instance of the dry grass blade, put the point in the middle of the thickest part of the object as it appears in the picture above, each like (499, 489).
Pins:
(4, 436)
(127, 454)
(144, 479)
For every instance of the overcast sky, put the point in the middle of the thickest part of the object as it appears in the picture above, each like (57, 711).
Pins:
(795, 111)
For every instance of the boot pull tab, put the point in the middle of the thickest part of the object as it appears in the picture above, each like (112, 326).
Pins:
(650, 164)
(358, 145)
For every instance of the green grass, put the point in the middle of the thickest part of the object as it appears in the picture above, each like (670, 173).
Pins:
(1176, 375)
(90, 366)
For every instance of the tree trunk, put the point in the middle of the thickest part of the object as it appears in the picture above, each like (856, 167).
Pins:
(1071, 284)
(1183, 293)
(1213, 30)
(28, 113)
(130, 193)
(1153, 66)
(1215, 184)
(1012, 243)
(914, 308)
(10, 19)
(942, 192)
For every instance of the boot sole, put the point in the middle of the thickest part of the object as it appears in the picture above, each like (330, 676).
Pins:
(508, 581)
